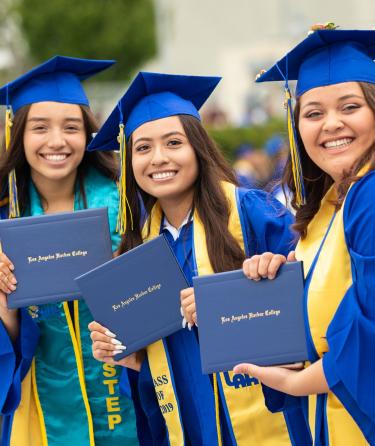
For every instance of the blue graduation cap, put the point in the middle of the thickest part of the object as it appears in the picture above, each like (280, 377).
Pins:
(154, 96)
(327, 56)
(58, 80)
(149, 97)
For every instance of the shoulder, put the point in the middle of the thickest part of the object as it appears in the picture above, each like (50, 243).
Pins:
(361, 197)
(261, 202)
(359, 215)
(100, 190)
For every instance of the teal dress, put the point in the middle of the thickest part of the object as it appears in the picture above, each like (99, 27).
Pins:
(79, 398)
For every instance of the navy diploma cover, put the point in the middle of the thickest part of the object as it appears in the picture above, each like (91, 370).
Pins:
(241, 320)
(49, 251)
(137, 295)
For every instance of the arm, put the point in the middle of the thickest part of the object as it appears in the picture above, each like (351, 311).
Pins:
(8, 283)
(349, 366)
(297, 383)
(15, 360)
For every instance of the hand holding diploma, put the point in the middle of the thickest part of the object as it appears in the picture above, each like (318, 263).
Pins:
(265, 266)
(304, 382)
(188, 310)
(7, 279)
(105, 347)
(290, 378)
(7, 285)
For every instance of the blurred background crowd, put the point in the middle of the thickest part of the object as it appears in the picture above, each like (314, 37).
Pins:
(207, 37)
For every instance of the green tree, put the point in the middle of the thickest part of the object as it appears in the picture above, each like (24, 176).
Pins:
(100, 29)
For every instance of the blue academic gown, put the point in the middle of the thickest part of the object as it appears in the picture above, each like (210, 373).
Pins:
(267, 227)
(349, 366)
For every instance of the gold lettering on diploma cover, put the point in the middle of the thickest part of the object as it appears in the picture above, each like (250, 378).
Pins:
(125, 302)
(56, 256)
(248, 316)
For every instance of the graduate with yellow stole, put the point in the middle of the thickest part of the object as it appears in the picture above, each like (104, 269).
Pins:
(190, 194)
(332, 180)
(52, 392)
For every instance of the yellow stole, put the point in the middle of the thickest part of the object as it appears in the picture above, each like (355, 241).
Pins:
(28, 425)
(330, 280)
(250, 420)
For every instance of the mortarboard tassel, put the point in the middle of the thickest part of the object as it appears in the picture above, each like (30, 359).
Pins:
(14, 210)
(123, 204)
(294, 151)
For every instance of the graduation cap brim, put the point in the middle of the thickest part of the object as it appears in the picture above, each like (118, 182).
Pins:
(193, 89)
(288, 67)
(81, 68)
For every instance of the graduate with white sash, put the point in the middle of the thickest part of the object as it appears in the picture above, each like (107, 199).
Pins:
(189, 193)
(333, 193)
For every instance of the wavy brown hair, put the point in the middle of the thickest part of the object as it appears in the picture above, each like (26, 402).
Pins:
(209, 200)
(14, 158)
(316, 181)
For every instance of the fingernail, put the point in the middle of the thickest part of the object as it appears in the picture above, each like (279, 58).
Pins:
(12, 287)
(189, 326)
(183, 323)
(11, 266)
(13, 280)
(117, 352)
(110, 334)
(116, 342)
(196, 323)
(120, 347)
(264, 277)
(182, 313)
(271, 277)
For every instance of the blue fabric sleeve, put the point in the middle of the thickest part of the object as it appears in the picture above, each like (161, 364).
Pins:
(349, 366)
(15, 361)
(150, 422)
(267, 223)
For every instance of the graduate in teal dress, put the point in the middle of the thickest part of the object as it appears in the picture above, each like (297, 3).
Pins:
(191, 195)
(52, 391)
(335, 218)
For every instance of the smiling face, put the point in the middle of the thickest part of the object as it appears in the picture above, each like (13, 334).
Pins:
(164, 162)
(54, 140)
(337, 126)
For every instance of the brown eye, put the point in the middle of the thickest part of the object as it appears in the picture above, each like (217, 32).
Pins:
(174, 142)
(351, 107)
(142, 148)
(313, 114)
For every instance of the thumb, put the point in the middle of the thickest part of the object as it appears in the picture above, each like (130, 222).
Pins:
(249, 369)
(291, 257)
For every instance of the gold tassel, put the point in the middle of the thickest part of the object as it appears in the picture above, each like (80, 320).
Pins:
(294, 152)
(14, 210)
(8, 125)
(123, 204)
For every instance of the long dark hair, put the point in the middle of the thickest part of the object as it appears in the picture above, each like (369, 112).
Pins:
(316, 181)
(14, 158)
(209, 200)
